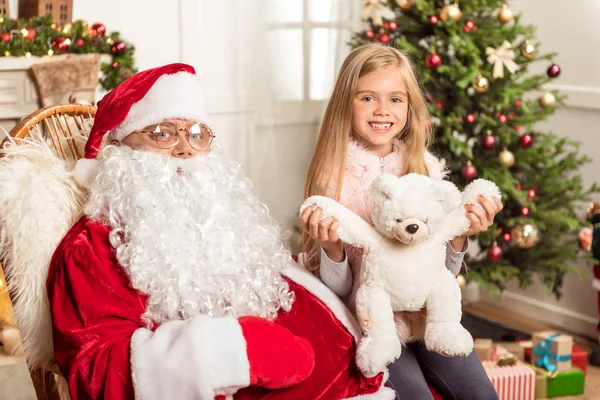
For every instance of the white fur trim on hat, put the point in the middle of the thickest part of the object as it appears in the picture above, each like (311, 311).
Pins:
(85, 171)
(177, 95)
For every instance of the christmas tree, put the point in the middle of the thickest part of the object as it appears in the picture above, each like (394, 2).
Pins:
(472, 58)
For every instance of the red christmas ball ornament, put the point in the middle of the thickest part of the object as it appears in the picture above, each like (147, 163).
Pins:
(494, 253)
(433, 60)
(369, 34)
(502, 118)
(470, 118)
(433, 19)
(518, 128)
(506, 237)
(518, 186)
(525, 211)
(118, 48)
(384, 38)
(469, 172)
(531, 194)
(518, 103)
(470, 26)
(5, 37)
(553, 71)
(60, 44)
(526, 141)
(31, 34)
(393, 25)
(97, 29)
(115, 64)
(79, 42)
(488, 142)
(386, 25)
(439, 105)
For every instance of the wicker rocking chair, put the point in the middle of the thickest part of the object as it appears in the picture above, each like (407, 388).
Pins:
(58, 125)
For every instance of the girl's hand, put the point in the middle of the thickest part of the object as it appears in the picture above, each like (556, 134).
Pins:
(324, 231)
(482, 219)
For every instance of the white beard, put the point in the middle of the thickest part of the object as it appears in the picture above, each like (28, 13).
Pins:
(191, 235)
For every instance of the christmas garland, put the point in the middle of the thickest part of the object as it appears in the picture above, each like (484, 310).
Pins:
(40, 36)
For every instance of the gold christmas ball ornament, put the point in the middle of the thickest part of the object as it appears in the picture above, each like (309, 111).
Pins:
(547, 100)
(505, 15)
(405, 5)
(525, 236)
(451, 11)
(462, 282)
(481, 84)
(527, 50)
(506, 158)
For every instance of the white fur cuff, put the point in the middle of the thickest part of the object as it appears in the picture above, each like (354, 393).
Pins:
(195, 359)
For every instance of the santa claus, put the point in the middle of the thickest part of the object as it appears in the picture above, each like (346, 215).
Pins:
(175, 284)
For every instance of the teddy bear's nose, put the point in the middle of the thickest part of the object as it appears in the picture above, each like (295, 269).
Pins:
(412, 228)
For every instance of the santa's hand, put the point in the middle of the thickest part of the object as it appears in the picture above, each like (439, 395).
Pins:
(277, 357)
(204, 356)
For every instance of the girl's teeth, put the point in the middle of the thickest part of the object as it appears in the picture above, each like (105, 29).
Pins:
(381, 126)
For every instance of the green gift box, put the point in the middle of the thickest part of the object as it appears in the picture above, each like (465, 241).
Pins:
(566, 383)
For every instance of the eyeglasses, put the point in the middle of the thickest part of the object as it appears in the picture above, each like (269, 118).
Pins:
(199, 136)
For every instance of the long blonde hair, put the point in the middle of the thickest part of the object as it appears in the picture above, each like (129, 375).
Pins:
(326, 171)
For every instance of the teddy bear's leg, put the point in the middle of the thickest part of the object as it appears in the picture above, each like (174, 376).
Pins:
(443, 332)
(379, 345)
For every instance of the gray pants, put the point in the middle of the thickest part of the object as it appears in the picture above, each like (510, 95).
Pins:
(455, 378)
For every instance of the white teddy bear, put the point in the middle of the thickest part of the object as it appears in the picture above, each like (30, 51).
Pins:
(404, 262)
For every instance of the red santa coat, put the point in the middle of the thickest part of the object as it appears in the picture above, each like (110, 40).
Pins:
(105, 351)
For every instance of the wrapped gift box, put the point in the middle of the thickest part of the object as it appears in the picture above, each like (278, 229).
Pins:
(541, 386)
(566, 383)
(483, 348)
(516, 382)
(552, 351)
(579, 357)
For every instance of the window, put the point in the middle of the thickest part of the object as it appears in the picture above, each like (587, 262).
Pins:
(63, 13)
(302, 43)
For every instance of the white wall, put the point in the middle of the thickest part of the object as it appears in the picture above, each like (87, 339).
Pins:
(152, 25)
(573, 32)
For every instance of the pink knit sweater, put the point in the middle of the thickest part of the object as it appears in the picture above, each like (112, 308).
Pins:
(363, 166)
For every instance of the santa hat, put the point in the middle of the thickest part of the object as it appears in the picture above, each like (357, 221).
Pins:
(170, 91)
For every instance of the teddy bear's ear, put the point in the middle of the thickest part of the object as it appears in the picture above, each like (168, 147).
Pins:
(385, 184)
(447, 194)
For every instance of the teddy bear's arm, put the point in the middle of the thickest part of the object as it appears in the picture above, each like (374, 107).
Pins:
(457, 222)
(352, 229)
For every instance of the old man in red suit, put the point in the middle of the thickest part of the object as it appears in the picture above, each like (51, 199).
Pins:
(175, 284)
